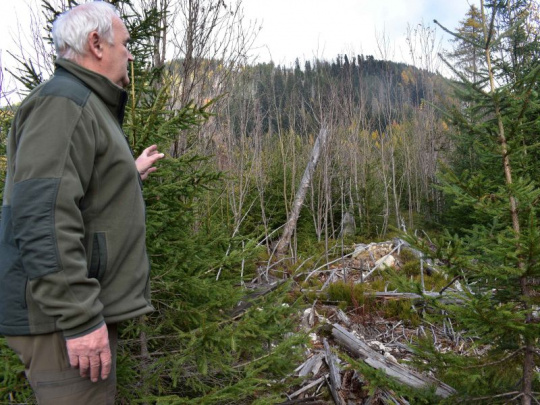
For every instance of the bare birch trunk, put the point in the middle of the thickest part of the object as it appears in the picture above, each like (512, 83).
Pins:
(290, 226)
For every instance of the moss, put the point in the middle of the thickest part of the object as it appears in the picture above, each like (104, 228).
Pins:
(381, 283)
(401, 309)
(406, 256)
(311, 296)
(411, 268)
(435, 282)
(349, 293)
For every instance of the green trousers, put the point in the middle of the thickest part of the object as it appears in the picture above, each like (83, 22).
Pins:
(53, 380)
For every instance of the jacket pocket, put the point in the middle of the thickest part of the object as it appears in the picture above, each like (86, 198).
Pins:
(98, 260)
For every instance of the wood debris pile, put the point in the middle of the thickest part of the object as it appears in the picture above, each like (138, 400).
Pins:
(366, 259)
(380, 343)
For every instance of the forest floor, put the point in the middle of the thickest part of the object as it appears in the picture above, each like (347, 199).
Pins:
(356, 318)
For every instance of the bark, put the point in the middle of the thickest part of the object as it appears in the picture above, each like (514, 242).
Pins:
(395, 370)
(335, 377)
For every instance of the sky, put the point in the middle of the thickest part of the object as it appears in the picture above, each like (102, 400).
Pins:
(303, 29)
(306, 29)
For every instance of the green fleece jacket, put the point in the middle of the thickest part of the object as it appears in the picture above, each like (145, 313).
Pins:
(72, 231)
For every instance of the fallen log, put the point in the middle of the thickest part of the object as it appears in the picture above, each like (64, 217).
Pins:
(332, 366)
(335, 395)
(401, 373)
(312, 365)
(308, 387)
(384, 397)
(343, 318)
(404, 295)
(445, 298)
(335, 377)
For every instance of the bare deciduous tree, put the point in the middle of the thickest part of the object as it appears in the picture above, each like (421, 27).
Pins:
(209, 42)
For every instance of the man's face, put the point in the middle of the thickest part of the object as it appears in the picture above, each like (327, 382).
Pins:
(116, 56)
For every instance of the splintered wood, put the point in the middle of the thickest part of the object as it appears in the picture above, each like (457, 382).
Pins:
(393, 369)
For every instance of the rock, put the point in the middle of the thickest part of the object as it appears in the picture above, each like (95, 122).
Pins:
(386, 261)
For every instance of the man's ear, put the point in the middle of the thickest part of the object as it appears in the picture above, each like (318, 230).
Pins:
(95, 46)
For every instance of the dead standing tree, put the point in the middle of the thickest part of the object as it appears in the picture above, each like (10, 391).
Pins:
(290, 225)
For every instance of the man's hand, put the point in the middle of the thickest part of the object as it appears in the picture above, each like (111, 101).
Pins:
(90, 352)
(148, 158)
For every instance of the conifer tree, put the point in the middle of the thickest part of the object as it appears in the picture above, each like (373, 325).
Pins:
(495, 251)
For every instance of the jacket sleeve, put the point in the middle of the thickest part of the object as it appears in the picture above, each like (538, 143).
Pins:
(54, 161)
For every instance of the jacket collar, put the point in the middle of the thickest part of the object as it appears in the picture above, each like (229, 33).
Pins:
(113, 96)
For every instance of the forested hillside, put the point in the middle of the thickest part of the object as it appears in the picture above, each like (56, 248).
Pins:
(269, 216)
(381, 156)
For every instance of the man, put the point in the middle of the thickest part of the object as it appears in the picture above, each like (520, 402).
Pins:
(73, 261)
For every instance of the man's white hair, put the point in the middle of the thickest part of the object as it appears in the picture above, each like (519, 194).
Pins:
(70, 30)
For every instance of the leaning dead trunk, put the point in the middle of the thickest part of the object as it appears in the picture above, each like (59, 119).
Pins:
(290, 226)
